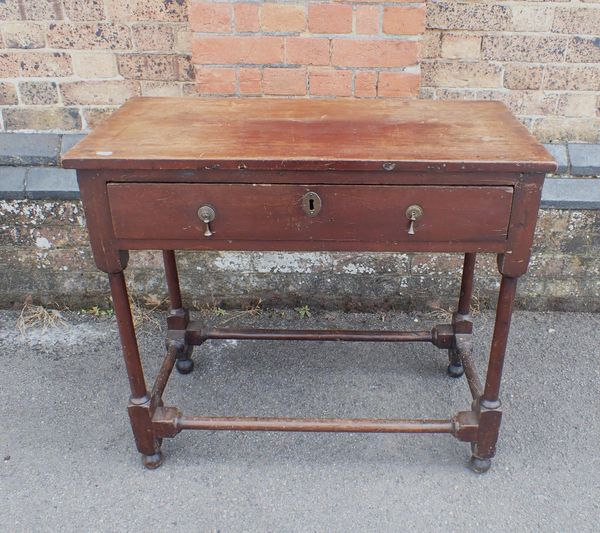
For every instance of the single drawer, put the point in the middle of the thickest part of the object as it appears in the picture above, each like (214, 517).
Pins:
(260, 212)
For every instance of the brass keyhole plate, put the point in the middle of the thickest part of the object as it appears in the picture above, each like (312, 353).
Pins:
(311, 204)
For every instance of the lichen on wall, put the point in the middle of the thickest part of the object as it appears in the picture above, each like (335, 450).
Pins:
(44, 253)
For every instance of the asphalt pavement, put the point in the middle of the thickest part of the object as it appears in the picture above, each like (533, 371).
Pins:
(69, 461)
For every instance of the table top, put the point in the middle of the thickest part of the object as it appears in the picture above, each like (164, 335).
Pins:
(302, 134)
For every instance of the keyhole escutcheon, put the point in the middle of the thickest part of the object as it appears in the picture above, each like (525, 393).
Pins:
(311, 204)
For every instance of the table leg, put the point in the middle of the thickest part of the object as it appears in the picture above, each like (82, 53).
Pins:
(490, 414)
(139, 408)
(461, 320)
(178, 316)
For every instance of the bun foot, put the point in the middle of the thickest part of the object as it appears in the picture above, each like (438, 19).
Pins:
(455, 370)
(153, 461)
(184, 366)
(478, 465)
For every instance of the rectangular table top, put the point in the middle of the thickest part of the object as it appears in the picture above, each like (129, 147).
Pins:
(302, 134)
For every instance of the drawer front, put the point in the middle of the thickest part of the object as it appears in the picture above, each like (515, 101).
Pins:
(260, 212)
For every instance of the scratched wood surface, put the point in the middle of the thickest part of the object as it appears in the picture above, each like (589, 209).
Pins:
(263, 133)
(275, 212)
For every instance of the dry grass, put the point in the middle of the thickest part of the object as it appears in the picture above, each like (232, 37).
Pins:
(441, 313)
(142, 310)
(253, 310)
(36, 316)
(143, 307)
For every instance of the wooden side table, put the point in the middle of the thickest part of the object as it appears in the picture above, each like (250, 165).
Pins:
(306, 175)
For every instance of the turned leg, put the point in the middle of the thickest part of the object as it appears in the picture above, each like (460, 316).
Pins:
(139, 408)
(461, 320)
(490, 414)
(178, 316)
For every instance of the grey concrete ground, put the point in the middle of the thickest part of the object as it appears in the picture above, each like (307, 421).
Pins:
(70, 463)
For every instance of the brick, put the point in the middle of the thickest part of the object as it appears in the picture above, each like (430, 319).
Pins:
(585, 159)
(213, 80)
(158, 10)
(29, 148)
(246, 17)
(367, 19)
(23, 35)
(517, 47)
(149, 37)
(51, 183)
(12, 183)
(365, 84)
(330, 18)
(38, 64)
(572, 78)
(10, 11)
(98, 92)
(404, 20)
(94, 64)
(118, 10)
(282, 17)
(160, 67)
(42, 9)
(8, 94)
(523, 103)
(560, 129)
(577, 20)
(369, 53)
(185, 68)
(330, 82)
(453, 74)
(38, 92)
(250, 80)
(210, 17)
(307, 50)
(530, 18)
(399, 84)
(460, 46)
(160, 88)
(94, 116)
(583, 50)
(284, 81)
(189, 89)
(89, 35)
(42, 118)
(183, 41)
(83, 10)
(449, 93)
(455, 16)
(431, 45)
(520, 76)
(578, 105)
(223, 50)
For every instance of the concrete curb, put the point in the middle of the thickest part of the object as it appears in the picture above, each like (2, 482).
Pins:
(44, 149)
(29, 169)
(51, 183)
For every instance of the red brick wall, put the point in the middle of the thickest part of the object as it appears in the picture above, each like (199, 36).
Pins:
(318, 49)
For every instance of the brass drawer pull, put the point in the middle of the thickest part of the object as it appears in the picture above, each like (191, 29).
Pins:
(207, 214)
(413, 213)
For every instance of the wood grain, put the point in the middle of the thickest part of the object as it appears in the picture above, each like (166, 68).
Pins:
(262, 133)
(375, 214)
